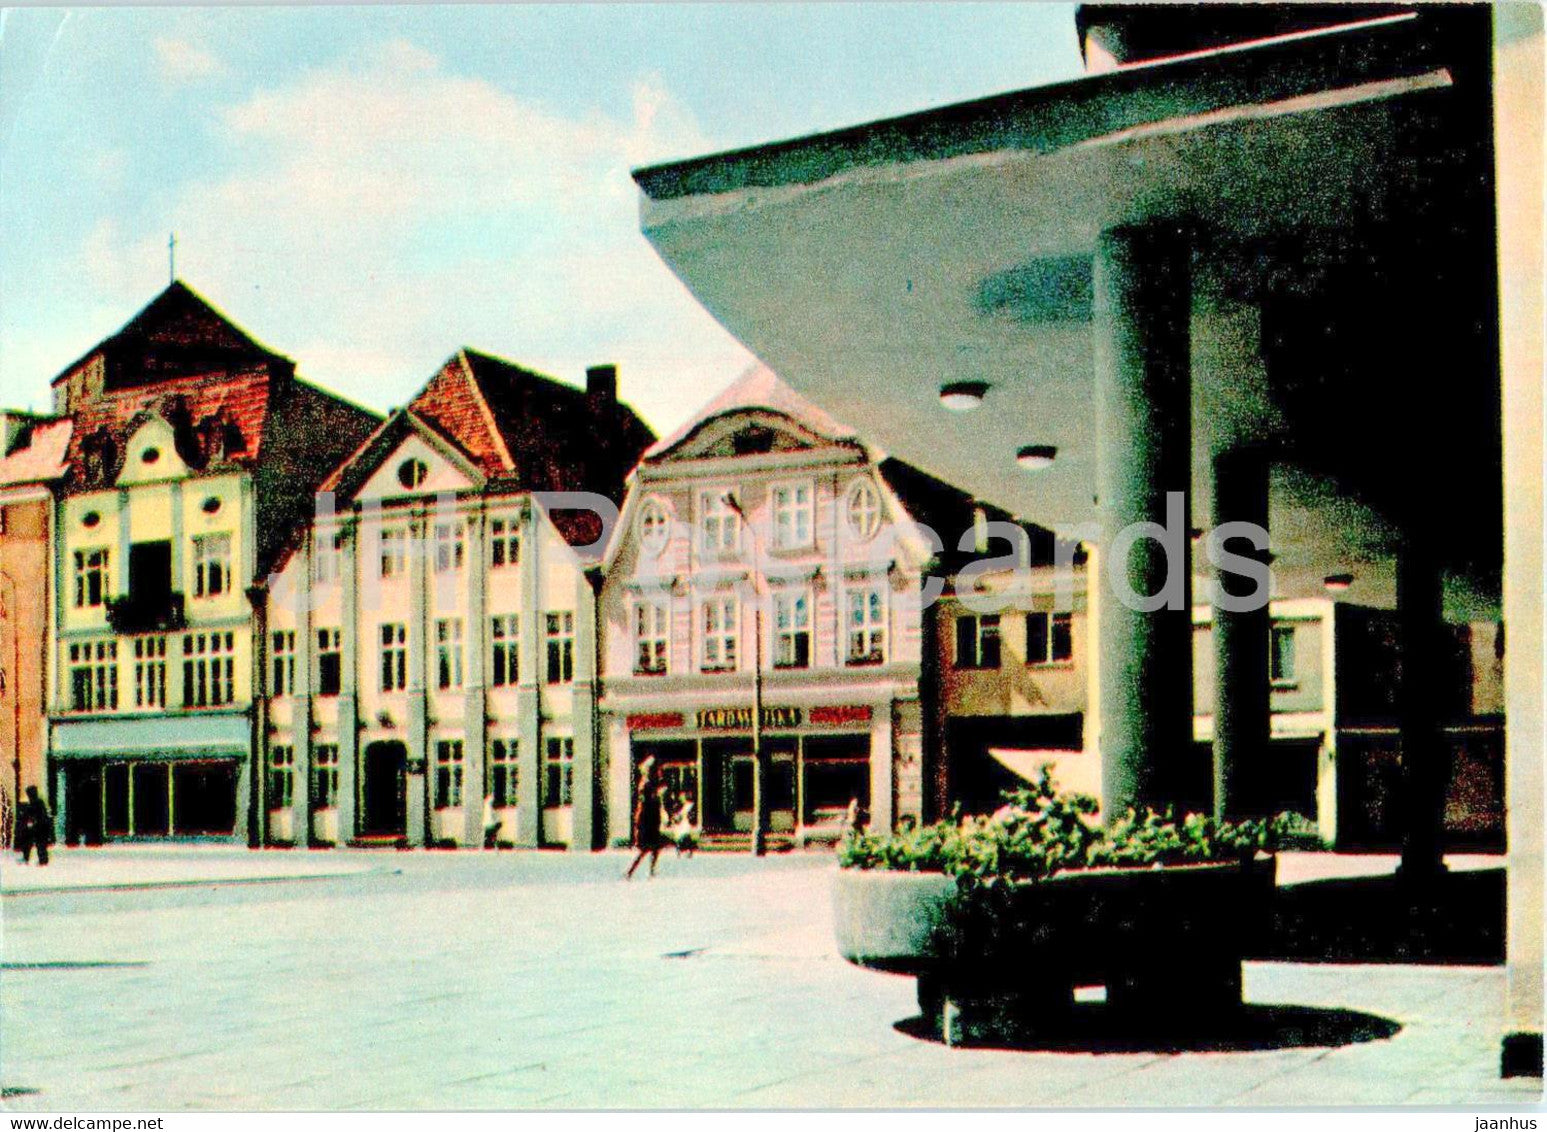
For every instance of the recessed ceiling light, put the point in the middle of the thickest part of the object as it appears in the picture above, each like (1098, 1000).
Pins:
(1337, 583)
(1035, 456)
(963, 396)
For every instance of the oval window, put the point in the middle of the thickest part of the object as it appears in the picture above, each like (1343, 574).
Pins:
(412, 473)
(90, 519)
(864, 510)
(210, 505)
(654, 527)
(150, 455)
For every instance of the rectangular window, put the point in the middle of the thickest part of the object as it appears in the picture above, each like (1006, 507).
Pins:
(448, 653)
(450, 547)
(505, 649)
(866, 628)
(448, 773)
(1049, 638)
(792, 510)
(281, 777)
(209, 669)
(91, 578)
(504, 543)
(792, 630)
(325, 776)
(394, 658)
(211, 565)
(502, 773)
(1281, 660)
(977, 641)
(330, 662)
(327, 558)
(559, 772)
(150, 672)
(719, 527)
(94, 676)
(561, 648)
(652, 620)
(718, 619)
(392, 560)
(282, 663)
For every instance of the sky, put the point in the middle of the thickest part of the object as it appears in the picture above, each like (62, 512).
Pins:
(368, 189)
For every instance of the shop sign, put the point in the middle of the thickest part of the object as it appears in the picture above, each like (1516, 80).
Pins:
(840, 715)
(740, 718)
(654, 720)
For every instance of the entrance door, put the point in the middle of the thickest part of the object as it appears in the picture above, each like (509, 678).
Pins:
(83, 804)
(384, 793)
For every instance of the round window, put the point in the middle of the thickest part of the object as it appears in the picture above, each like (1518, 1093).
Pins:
(411, 473)
(864, 509)
(654, 526)
(210, 505)
(150, 455)
(90, 519)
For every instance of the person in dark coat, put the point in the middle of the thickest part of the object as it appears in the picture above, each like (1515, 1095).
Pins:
(34, 827)
(647, 818)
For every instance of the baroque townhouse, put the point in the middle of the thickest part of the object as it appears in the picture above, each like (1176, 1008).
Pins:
(192, 449)
(431, 639)
(762, 511)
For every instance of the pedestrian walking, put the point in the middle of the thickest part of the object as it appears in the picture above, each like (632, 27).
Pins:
(647, 818)
(34, 828)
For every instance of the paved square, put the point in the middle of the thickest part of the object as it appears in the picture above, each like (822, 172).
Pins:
(490, 981)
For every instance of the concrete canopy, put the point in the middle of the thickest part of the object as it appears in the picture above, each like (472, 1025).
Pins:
(1337, 190)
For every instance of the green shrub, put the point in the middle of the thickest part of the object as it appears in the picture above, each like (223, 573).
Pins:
(1039, 832)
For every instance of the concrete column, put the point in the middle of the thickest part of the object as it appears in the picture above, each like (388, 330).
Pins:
(1142, 319)
(1242, 720)
(421, 775)
(528, 700)
(882, 767)
(475, 709)
(583, 717)
(348, 685)
(1420, 700)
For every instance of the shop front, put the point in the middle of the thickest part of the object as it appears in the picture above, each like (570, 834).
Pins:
(150, 778)
(819, 765)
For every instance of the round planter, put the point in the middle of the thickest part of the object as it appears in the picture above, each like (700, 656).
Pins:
(891, 921)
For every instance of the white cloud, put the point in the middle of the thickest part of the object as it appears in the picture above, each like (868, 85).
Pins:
(185, 62)
(380, 213)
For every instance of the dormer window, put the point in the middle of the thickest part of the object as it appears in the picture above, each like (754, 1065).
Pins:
(753, 441)
(412, 473)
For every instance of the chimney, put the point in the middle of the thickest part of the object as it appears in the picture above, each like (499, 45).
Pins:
(601, 387)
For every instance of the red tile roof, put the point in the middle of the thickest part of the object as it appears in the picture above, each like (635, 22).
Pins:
(42, 458)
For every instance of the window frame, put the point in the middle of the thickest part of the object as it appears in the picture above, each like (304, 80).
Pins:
(504, 650)
(728, 634)
(792, 600)
(1046, 654)
(1278, 675)
(560, 650)
(450, 774)
(504, 543)
(212, 573)
(330, 643)
(870, 629)
(982, 623)
(561, 765)
(88, 571)
(794, 510)
(392, 647)
(712, 506)
(863, 485)
(450, 654)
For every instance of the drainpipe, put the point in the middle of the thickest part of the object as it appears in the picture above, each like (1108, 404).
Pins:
(258, 713)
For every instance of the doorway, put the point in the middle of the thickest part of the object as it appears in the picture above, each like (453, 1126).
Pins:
(83, 804)
(384, 791)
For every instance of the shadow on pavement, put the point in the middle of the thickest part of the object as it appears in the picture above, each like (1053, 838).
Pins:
(1093, 1028)
(1455, 918)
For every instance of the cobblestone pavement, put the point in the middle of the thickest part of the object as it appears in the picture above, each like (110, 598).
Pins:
(519, 980)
